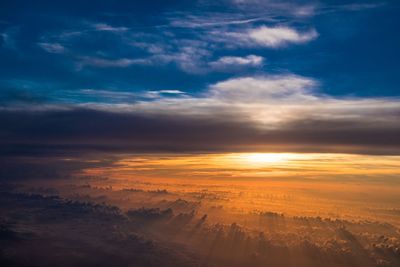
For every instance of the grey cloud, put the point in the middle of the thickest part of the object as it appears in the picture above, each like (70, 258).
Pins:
(87, 131)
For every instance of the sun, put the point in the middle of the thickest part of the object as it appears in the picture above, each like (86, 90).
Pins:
(260, 158)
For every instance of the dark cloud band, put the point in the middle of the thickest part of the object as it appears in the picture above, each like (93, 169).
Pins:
(87, 130)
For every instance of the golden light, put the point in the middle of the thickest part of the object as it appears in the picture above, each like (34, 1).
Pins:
(260, 158)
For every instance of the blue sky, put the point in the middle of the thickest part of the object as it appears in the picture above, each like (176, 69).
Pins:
(273, 64)
(49, 47)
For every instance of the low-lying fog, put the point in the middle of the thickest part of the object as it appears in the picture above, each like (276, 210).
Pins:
(225, 210)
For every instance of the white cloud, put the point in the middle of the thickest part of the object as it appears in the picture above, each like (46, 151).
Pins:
(229, 62)
(106, 63)
(254, 89)
(54, 48)
(262, 36)
(305, 11)
(109, 28)
(269, 101)
(160, 94)
(280, 36)
(266, 101)
(176, 92)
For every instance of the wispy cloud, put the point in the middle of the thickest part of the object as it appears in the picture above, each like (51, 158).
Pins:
(174, 92)
(160, 94)
(107, 63)
(9, 37)
(301, 9)
(195, 55)
(353, 6)
(214, 20)
(191, 41)
(264, 36)
(54, 48)
(362, 6)
(278, 8)
(232, 62)
(108, 28)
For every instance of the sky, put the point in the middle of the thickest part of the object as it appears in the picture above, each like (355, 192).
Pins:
(200, 133)
(199, 76)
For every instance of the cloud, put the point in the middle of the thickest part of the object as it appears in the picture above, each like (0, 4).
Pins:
(171, 92)
(188, 40)
(54, 48)
(188, 55)
(107, 63)
(357, 6)
(259, 113)
(214, 20)
(229, 62)
(107, 95)
(256, 98)
(280, 36)
(262, 88)
(193, 55)
(278, 8)
(7, 41)
(261, 36)
(154, 94)
(81, 131)
(300, 9)
(9, 37)
(108, 28)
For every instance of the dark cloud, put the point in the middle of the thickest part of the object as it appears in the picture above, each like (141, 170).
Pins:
(85, 131)
(75, 131)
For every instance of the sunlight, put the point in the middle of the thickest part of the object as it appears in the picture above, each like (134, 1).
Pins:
(260, 158)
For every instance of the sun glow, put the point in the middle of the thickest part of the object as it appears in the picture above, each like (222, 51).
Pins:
(261, 158)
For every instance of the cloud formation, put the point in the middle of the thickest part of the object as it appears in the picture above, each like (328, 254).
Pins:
(109, 28)
(261, 113)
(261, 36)
(106, 63)
(279, 36)
(195, 43)
(54, 48)
(229, 62)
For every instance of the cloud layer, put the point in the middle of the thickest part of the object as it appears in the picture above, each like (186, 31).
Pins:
(260, 113)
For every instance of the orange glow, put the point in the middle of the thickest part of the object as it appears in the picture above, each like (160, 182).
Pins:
(253, 165)
(266, 158)
(339, 185)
